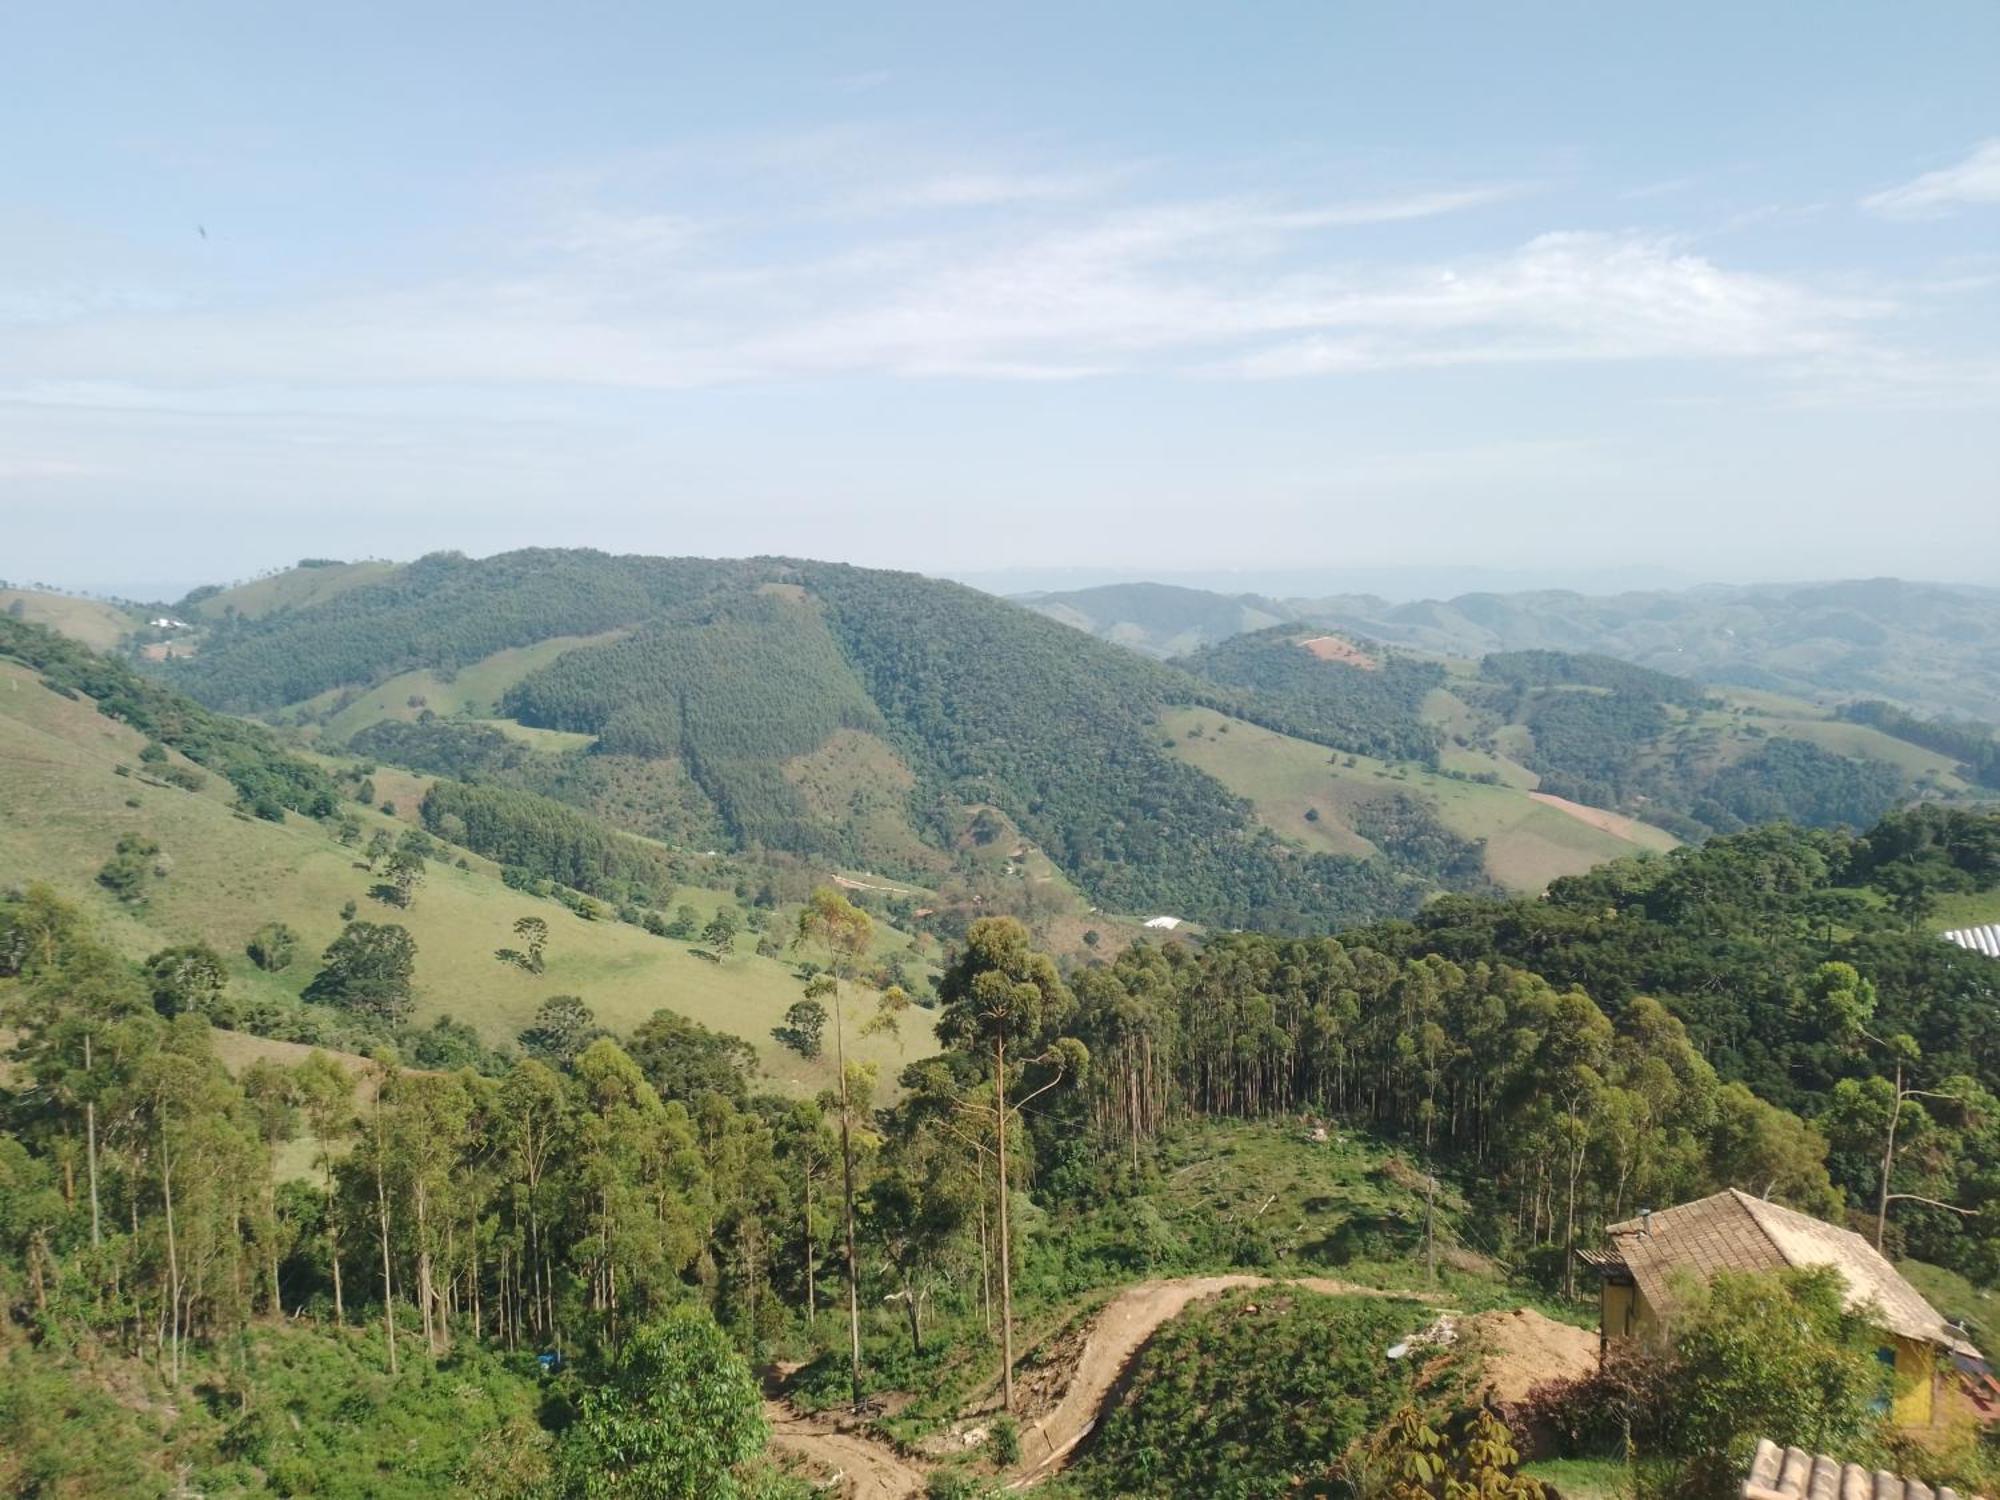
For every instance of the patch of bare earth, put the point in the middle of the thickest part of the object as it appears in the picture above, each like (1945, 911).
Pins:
(848, 1463)
(1520, 1349)
(1334, 648)
(1615, 824)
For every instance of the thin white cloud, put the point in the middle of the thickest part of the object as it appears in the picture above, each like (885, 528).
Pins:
(1972, 182)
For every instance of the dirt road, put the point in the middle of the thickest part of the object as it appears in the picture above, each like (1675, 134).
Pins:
(1128, 1320)
(868, 1470)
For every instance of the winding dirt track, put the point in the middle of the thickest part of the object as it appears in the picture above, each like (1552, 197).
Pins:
(1128, 1320)
(867, 1469)
(872, 1470)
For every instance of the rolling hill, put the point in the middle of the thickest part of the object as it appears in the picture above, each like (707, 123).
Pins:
(75, 781)
(1583, 729)
(842, 715)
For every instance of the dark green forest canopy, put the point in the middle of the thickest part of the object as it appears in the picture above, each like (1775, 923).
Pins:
(1369, 711)
(734, 667)
(1731, 935)
(443, 611)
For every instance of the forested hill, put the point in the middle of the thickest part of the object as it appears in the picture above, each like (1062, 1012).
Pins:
(844, 713)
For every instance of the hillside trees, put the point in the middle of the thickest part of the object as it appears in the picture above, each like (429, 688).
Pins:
(550, 841)
(670, 1414)
(839, 931)
(368, 969)
(999, 990)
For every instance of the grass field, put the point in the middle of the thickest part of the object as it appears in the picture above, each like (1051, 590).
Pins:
(1528, 843)
(292, 589)
(1973, 909)
(65, 808)
(97, 624)
(474, 690)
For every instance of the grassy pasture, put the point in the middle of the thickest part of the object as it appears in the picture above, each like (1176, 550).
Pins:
(295, 588)
(98, 624)
(474, 690)
(1528, 843)
(65, 807)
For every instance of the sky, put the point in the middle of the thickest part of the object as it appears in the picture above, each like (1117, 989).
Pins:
(1707, 291)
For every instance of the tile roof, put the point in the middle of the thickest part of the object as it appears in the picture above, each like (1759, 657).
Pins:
(1732, 1231)
(1794, 1474)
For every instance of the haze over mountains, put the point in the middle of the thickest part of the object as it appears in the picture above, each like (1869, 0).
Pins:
(1932, 646)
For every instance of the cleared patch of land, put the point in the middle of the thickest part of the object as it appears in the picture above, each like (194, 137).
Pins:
(1528, 843)
(1615, 824)
(1337, 648)
(98, 624)
(292, 589)
(473, 690)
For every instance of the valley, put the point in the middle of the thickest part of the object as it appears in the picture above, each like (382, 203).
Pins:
(1451, 962)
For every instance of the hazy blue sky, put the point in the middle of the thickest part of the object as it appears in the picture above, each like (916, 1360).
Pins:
(1150, 287)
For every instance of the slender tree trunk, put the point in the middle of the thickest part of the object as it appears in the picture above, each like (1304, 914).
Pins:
(173, 1256)
(90, 1148)
(1889, 1160)
(388, 1281)
(847, 1203)
(1006, 1249)
(812, 1309)
(333, 1247)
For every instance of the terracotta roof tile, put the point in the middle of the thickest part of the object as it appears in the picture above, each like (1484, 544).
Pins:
(1793, 1474)
(1732, 1231)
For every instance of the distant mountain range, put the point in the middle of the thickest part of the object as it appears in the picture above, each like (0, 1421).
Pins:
(1928, 646)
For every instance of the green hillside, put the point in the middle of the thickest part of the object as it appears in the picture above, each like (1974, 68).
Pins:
(228, 873)
(1588, 729)
(1926, 646)
(842, 715)
(310, 582)
(1326, 801)
(97, 623)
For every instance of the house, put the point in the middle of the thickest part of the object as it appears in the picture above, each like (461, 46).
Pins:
(168, 622)
(1794, 1474)
(1733, 1231)
(1163, 924)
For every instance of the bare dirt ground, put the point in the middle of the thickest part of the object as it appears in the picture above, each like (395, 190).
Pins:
(1126, 1322)
(863, 1468)
(1521, 1349)
(1333, 648)
(1615, 824)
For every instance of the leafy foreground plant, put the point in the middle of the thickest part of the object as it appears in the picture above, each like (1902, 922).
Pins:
(675, 1411)
(1256, 1395)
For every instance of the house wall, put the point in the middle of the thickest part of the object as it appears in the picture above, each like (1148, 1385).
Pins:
(1624, 1313)
(1916, 1383)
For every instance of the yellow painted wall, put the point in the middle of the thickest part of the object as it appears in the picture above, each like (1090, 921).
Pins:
(1624, 1313)
(1916, 1369)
